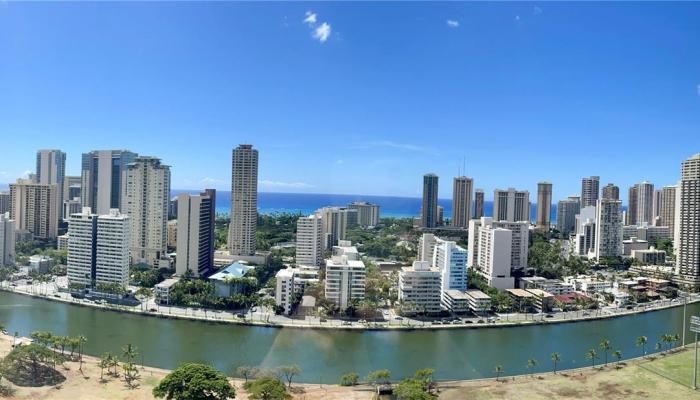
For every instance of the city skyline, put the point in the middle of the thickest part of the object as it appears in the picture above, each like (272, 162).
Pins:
(579, 83)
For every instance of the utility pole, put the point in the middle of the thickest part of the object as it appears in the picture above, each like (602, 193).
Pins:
(685, 306)
(695, 367)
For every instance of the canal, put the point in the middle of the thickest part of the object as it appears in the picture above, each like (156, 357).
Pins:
(324, 355)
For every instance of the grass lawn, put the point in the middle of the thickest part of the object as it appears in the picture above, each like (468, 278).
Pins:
(678, 367)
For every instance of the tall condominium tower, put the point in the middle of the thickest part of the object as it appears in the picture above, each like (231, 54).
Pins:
(103, 179)
(98, 248)
(544, 205)
(196, 218)
(589, 191)
(429, 207)
(244, 200)
(34, 207)
(462, 201)
(688, 222)
(309, 249)
(511, 205)
(566, 214)
(645, 203)
(5, 202)
(51, 170)
(334, 222)
(7, 239)
(632, 205)
(451, 260)
(667, 207)
(367, 213)
(608, 225)
(478, 203)
(611, 192)
(146, 201)
(656, 214)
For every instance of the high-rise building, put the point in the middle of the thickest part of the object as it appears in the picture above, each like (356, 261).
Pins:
(34, 207)
(608, 226)
(196, 219)
(5, 202)
(656, 215)
(584, 240)
(511, 205)
(544, 205)
(451, 261)
(51, 170)
(687, 225)
(71, 207)
(461, 201)
(493, 246)
(611, 192)
(284, 289)
(345, 275)
(426, 247)
(478, 203)
(429, 206)
(98, 248)
(146, 202)
(71, 189)
(632, 205)
(244, 200)
(589, 191)
(7, 240)
(367, 213)
(309, 248)
(645, 203)
(667, 207)
(103, 179)
(420, 288)
(335, 221)
(566, 214)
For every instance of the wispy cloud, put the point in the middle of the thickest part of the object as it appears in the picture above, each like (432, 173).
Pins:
(212, 181)
(536, 10)
(268, 184)
(452, 23)
(319, 31)
(310, 18)
(336, 161)
(399, 146)
(517, 17)
(698, 90)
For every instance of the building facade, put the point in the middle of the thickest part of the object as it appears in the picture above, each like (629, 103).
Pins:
(420, 288)
(611, 192)
(544, 205)
(429, 205)
(7, 240)
(367, 213)
(462, 201)
(335, 222)
(566, 214)
(103, 179)
(34, 208)
(511, 205)
(478, 204)
(51, 170)
(309, 248)
(146, 203)
(244, 200)
(589, 191)
(196, 219)
(451, 260)
(345, 276)
(687, 225)
(608, 225)
(667, 207)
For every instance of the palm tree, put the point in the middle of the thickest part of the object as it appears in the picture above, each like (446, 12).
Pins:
(605, 346)
(618, 355)
(676, 338)
(531, 363)
(658, 346)
(592, 355)
(498, 370)
(642, 341)
(81, 341)
(555, 357)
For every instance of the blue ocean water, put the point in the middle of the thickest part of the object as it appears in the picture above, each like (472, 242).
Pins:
(307, 203)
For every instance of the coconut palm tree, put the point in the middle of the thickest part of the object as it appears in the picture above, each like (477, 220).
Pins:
(498, 370)
(592, 355)
(555, 357)
(642, 341)
(81, 341)
(618, 355)
(531, 363)
(605, 346)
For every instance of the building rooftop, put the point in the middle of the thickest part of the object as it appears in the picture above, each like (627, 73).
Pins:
(285, 273)
(166, 284)
(477, 294)
(235, 270)
(456, 294)
(519, 293)
(539, 292)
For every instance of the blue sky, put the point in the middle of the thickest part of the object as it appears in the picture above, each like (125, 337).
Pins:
(362, 97)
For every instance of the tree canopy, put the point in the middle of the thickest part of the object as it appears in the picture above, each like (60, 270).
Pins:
(194, 381)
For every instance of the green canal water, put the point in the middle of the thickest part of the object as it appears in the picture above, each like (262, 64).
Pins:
(324, 355)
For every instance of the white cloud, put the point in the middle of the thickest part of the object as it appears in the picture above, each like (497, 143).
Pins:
(452, 23)
(339, 162)
(213, 181)
(322, 32)
(310, 18)
(268, 184)
(26, 173)
(517, 17)
(536, 10)
(698, 90)
(395, 145)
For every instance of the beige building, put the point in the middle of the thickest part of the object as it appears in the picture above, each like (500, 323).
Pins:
(335, 221)
(687, 224)
(420, 288)
(611, 192)
(34, 207)
(51, 170)
(667, 207)
(146, 203)
(345, 275)
(511, 205)
(590, 187)
(244, 200)
(608, 229)
(103, 179)
(196, 218)
(367, 213)
(462, 201)
(544, 205)
(7, 240)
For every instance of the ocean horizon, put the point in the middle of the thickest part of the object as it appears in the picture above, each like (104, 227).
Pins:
(306, 203)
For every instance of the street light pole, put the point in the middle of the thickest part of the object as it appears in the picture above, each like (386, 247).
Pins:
(685, 306)
(695, 367)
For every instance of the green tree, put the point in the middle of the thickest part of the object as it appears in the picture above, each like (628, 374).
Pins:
(592, 355)
(32, 365)
(289, 371)
(555, 357)
(605, 346)
(267, 388)
(642, 341)
(531, 364)
(105, 363)
(131, 374)
(379, 377)
(247, 372)
(425, 377)
(349, 379)
(81, 343)
(618, 356)
(411, 389)
(498, 370)
(193, 381)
